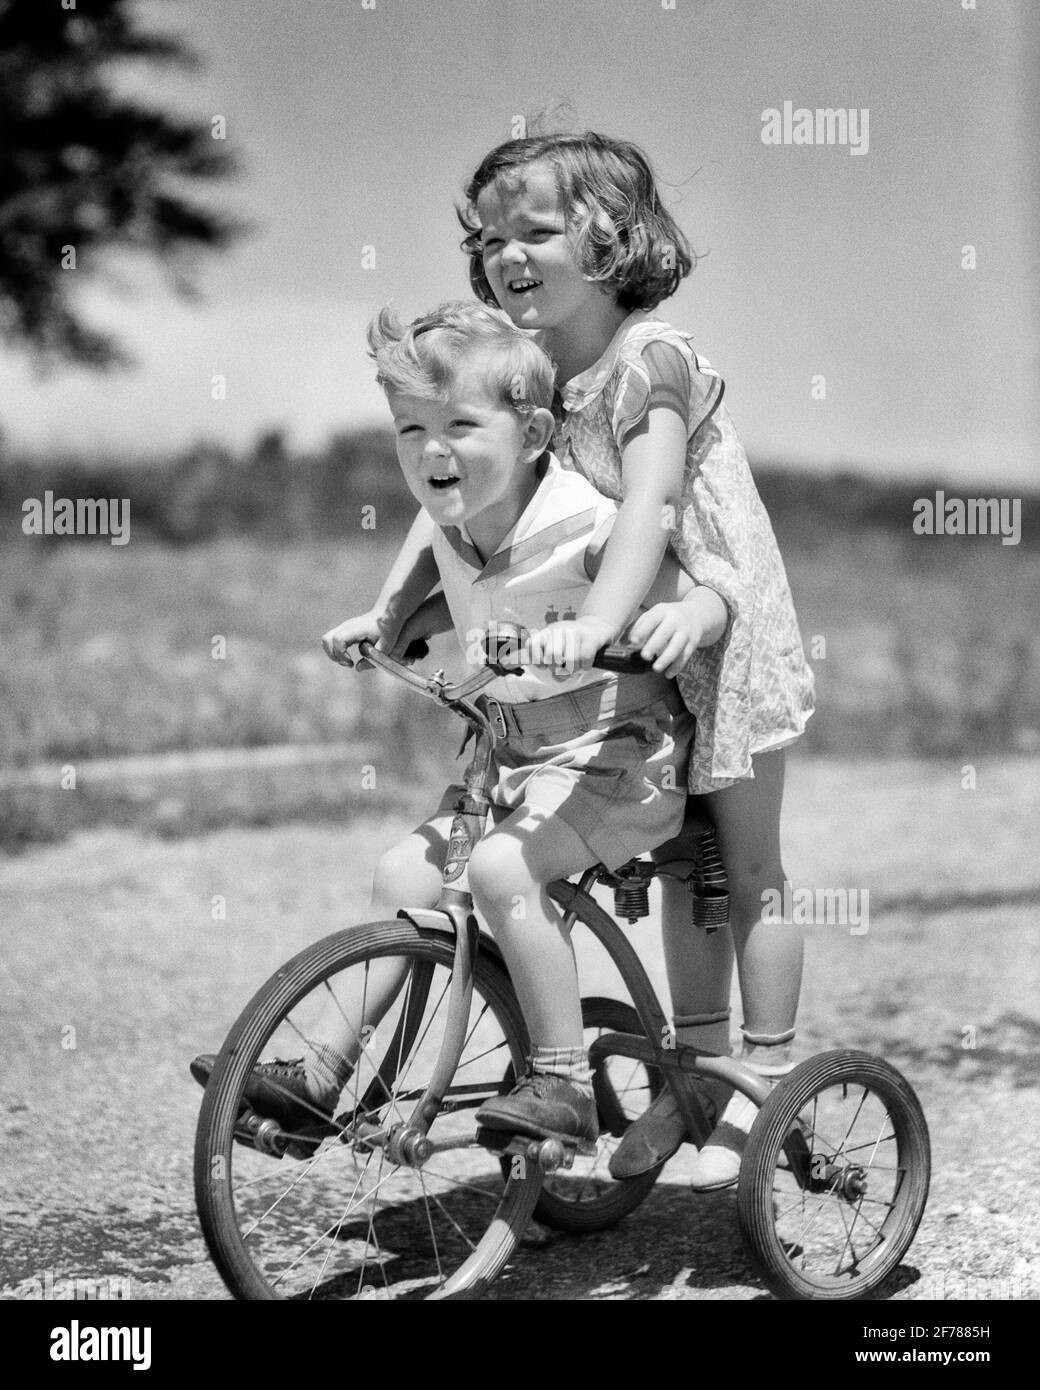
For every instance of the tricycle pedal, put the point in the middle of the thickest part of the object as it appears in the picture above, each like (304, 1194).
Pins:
(549, 1151)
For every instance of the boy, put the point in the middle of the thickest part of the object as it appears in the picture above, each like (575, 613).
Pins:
(592, 766)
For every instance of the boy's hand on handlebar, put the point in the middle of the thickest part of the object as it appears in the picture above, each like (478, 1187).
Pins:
(366, 627)
(570, 646)
(430, 618)
(667, 635)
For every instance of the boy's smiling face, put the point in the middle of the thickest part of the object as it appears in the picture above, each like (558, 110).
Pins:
(469, 457)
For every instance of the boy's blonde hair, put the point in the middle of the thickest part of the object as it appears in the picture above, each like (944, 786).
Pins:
(425, 357)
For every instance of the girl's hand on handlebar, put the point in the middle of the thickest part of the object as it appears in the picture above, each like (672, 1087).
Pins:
(667, 635)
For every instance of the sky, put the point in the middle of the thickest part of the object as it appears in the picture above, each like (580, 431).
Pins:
(357, 122)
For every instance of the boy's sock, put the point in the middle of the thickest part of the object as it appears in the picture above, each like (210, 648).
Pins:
(718, 1163)
(328, 1071)
(555, 1097)
(570, 1063)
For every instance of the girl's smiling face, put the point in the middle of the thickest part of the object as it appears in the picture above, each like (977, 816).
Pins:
(528, 259)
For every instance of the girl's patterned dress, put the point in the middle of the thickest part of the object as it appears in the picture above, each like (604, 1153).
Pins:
(752, 690)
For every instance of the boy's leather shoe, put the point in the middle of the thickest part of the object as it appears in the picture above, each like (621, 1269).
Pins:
(276, 1090)
(543, 1106)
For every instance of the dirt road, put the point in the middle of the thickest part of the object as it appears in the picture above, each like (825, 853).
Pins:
(117, 967)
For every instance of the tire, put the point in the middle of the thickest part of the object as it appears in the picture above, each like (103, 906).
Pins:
(834, 1178)
(336, 1217)
(586, 1198)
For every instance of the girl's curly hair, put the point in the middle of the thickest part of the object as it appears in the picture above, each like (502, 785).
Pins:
(623, 236)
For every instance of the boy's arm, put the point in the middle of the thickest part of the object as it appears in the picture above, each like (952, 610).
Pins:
(412, 575)
(430, 618)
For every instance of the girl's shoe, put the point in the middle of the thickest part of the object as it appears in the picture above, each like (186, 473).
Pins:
(717, 1165)
(653, 1137)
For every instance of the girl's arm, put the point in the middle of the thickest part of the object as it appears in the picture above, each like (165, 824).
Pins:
(412, 575)
(679, 614)
(652, 463)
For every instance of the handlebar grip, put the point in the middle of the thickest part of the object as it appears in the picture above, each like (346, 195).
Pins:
(416, 650)
(624, 660)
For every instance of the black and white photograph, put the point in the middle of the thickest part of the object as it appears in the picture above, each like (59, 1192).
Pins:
(519, 663)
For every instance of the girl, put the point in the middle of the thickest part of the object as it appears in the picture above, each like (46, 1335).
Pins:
(568, 234)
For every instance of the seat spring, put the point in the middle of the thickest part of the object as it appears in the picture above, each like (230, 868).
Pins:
(632, 899)
(708, 883)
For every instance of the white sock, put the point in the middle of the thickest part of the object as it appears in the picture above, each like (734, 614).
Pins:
(570, 1063)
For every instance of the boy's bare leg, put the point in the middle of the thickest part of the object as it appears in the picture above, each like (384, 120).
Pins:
(508, 875)
(408, 875)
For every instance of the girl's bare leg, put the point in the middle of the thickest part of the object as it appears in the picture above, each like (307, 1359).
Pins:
(768, 950)
(700, 970)
(699, 965)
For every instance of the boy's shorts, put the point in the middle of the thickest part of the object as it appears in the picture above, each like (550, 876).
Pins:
(609, 760)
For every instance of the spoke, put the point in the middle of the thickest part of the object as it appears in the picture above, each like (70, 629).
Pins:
(322, 1235)
(393, 1095)
(371, 1233)
(872, 1144)
(429, 1222)
(476, 1025)
(328, 1254)
(460, 1183)
(276, 1171)
(847, 1241)
(878, 1140)
(441, 1207)
(305, 1172)
(496, 1047)
(861, 1213)
(356, 1077)
(342, 1013)
(808, 1227)
(417, 1045)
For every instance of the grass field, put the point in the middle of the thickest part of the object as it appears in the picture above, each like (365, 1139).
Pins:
(921, 646)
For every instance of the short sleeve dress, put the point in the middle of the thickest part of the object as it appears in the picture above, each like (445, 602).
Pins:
(753, 690)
